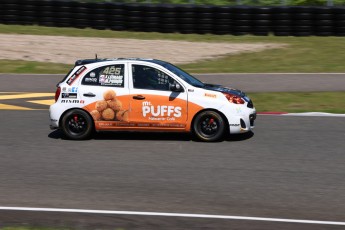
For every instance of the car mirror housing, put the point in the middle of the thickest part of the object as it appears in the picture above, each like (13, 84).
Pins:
(176, 87)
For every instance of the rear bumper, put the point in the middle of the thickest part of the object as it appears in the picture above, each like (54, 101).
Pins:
(53, 124)
(54, 115)
(52, 127)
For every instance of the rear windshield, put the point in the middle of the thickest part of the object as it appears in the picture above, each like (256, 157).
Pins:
(65, 77)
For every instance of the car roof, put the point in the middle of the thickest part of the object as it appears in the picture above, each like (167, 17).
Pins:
(96, 60)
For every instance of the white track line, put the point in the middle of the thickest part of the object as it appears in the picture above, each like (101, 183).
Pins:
(165, 214)
(315, 114)
(307, 114)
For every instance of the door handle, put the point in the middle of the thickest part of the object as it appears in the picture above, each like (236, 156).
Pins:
(89, 95)
(139, 97)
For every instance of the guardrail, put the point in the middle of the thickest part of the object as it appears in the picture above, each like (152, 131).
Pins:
(165, 18)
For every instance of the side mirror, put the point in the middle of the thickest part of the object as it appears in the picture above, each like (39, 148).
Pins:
(176, 87)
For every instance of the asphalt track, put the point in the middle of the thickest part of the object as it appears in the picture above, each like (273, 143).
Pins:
(246, 82)
(290, 168)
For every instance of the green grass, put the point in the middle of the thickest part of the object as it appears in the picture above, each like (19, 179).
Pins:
(41, 228)
(330, 102)
(9, 66)
(31, 228)
(302, 54)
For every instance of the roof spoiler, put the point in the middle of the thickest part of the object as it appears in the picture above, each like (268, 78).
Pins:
(87, 61)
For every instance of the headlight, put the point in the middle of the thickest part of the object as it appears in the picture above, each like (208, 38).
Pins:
(232, 98)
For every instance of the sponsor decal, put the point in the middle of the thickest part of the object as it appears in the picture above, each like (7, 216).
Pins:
(73, 90)
(156, 112)
(80, 70)
(112, 70)
(210, 95)
(108, 109)
(69, 95)
(169, 125)
(113, 80)
(235, 125)
(103, 124)
(76, 75)
(64, 89)
(89, 79)
(92, 74)
(73, 101)
(112, 76)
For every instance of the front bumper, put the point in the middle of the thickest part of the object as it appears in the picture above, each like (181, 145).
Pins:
(242, 123)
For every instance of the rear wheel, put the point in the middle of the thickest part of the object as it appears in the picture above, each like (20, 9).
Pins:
(209, 126)
(77, 124)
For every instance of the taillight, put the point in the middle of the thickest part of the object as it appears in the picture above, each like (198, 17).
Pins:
(57, 93)
(234, 98)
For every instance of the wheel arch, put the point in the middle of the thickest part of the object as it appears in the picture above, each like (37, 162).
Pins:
(214, 110)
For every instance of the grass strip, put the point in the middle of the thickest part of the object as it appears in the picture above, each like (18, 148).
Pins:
(302, 54)
(328, 102)
(19, 67)
(41, 228)
(32, 228)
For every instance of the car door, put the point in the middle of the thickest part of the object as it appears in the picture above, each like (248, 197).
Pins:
(104, 91)
(152, 104)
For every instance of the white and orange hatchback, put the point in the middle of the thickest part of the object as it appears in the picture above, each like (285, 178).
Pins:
(133, 94)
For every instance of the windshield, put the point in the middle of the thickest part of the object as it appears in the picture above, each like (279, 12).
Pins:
(180, 73)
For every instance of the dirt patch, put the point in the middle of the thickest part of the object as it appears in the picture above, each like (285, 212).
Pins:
(60, 49)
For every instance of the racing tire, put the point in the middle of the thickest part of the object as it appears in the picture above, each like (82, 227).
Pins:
(282, 23)
(302, 16)
(262, 23)
(77, 124)
(261, 16)
(218, 16)
(185, 20)
(260, 33)
(324, 33)
(208, 126)
(282, 16)
(283, 27)
(282, 33)
(242, 16)
(262, 10)
(323, 17)
(339, 17)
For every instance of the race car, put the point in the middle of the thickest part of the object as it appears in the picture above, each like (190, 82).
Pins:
(137, 94)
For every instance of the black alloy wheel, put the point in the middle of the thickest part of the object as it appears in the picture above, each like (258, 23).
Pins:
(77, 124)
(209, 126)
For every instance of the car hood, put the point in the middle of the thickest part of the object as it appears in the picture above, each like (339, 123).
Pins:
(223, 89)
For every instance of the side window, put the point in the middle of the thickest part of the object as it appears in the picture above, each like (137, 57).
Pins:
(145, 77)
(111, 75)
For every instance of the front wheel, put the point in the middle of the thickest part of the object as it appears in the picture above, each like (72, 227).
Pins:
(77, 124)
(208, 126)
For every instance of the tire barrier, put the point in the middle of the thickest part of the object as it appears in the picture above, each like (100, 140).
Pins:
(184, 18)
